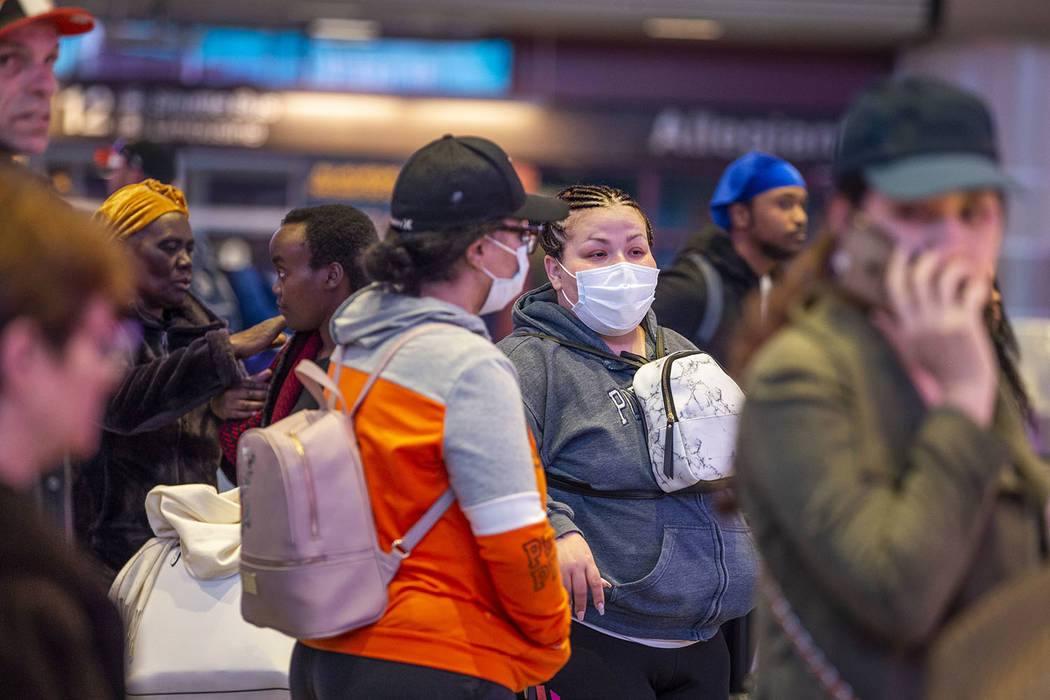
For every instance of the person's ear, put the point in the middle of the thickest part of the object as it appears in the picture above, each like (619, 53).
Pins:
(335, 276)
(475, 253)
(739, 215)
(20, 353)
(554, 272)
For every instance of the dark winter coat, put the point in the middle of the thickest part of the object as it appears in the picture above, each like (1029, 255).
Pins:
(60, 638)
(681, 292)
(158, 429)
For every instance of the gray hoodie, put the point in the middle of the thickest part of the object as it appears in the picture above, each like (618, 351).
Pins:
(677, 566)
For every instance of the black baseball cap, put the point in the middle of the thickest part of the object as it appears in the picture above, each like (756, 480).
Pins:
(917, 137)
(462, 180)
(66, 20)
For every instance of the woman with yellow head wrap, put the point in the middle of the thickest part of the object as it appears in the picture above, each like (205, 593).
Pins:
(152, 219)
(158, 429)
(130, 209)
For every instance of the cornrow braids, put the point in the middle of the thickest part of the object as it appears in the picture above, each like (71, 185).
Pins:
(588, 197)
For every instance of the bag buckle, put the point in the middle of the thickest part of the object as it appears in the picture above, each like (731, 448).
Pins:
(395, 548)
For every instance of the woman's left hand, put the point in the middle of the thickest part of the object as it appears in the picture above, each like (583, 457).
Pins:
(243, 400)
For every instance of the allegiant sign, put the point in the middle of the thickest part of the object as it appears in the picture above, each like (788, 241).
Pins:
(705, 134)
(389, 127)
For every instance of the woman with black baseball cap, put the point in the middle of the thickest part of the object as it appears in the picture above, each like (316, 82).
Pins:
(478, 609)
(883, 458)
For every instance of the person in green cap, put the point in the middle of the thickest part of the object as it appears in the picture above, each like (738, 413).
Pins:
(883, 460)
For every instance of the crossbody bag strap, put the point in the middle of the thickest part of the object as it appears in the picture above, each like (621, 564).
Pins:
(812, 656)
(584, 348)
(660, 351)
(582, 488)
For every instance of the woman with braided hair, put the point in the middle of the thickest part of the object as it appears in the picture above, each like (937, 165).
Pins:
(663, 570)
(157, 427)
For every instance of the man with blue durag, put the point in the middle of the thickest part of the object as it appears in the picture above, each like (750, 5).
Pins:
(759, 215)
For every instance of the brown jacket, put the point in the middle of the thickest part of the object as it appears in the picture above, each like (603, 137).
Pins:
(158, 429)
(880, 518)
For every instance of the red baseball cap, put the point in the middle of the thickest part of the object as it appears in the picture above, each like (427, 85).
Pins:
(67, 20)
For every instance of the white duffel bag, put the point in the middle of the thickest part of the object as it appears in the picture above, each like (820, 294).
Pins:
(180, 596)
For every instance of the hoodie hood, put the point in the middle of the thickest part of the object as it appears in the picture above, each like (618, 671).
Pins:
(370, 316)
(538, 311)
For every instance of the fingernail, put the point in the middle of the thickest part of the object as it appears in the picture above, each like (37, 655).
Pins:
(601, 608)
(579, 616)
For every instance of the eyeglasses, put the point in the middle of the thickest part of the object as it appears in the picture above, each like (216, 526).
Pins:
(529, 233)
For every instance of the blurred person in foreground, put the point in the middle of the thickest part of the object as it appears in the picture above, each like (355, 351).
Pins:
(60, 355)
(158, 428)
(317, 255)
(29, 33)
(759, 215)
(663, 570)
(477, 610)
(883, 460)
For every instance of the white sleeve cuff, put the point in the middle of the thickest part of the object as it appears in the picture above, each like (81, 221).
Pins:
(505, 513)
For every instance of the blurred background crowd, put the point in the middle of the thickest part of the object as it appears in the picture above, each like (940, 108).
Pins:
(257, 108)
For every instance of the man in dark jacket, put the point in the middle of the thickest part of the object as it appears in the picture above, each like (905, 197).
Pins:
(29, 33)
(759, 214)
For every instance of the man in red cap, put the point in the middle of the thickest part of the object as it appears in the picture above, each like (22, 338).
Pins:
(29, 33)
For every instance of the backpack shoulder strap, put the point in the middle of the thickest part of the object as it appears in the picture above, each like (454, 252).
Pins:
(715, 299)
(390, 352)
(587, 349)
(316, 380)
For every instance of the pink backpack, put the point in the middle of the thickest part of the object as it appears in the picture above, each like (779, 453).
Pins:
(311, 564)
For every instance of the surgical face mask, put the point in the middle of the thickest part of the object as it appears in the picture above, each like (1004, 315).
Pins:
(613, 300)
(506, 289)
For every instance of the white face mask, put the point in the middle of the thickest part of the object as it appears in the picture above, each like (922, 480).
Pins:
(506, 289)
(613, 300)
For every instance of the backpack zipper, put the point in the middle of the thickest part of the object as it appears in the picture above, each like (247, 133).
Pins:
(308, 475)
(281, 563)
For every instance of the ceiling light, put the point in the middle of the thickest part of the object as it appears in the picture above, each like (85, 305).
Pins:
(670, 28)
(344, 29)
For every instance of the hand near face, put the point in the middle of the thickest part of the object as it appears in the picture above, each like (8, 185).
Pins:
(261, 336)
(938, 304)
(245, 399)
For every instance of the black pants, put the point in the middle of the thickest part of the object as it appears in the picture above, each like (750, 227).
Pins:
(603, 667)
(329, 675)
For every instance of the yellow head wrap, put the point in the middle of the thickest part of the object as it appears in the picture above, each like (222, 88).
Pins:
(130, 209)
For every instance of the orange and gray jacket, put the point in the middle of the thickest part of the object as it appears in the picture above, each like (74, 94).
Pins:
(481, 593)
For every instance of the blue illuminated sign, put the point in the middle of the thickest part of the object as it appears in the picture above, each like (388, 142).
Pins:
(224, 56)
